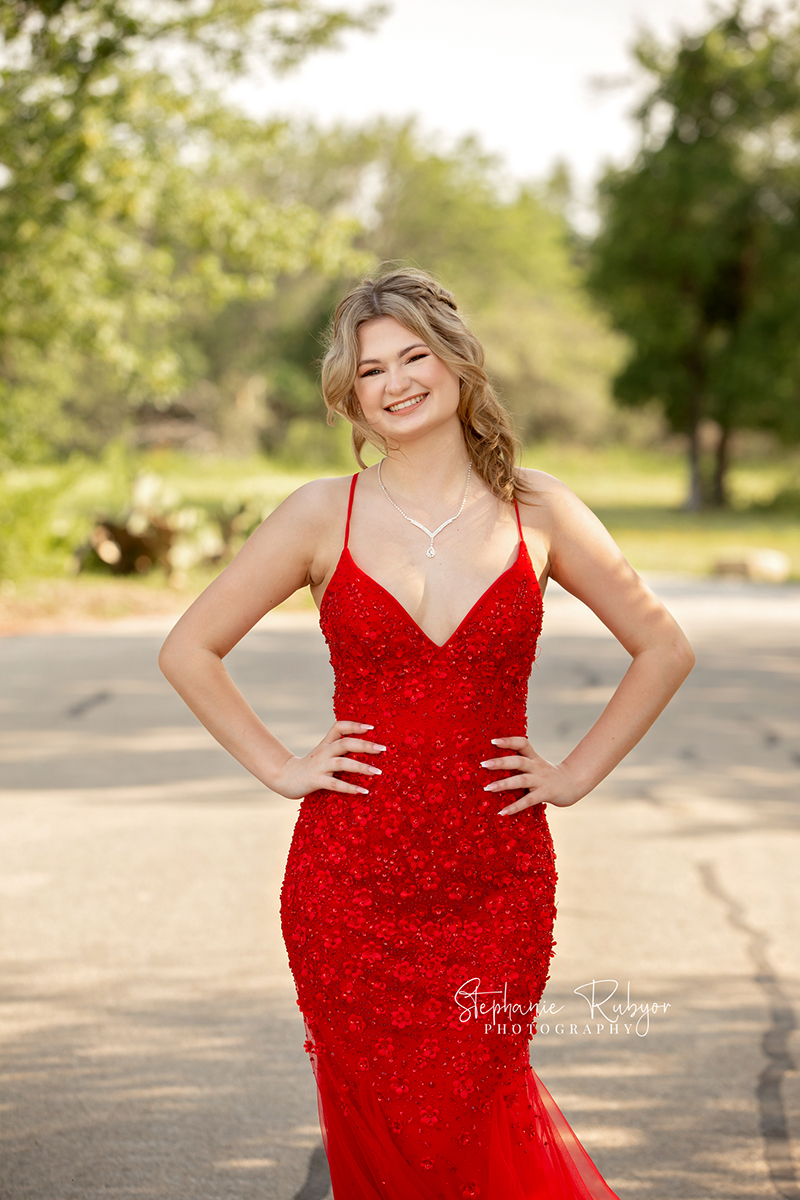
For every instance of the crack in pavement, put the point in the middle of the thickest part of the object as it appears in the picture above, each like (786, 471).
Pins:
(84, 706)
(774, 1043)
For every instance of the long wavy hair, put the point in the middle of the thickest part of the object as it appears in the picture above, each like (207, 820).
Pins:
(419, 303)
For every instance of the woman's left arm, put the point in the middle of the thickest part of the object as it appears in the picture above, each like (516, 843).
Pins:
(586, 561)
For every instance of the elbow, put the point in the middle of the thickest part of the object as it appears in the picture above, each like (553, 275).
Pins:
(180, 657)
(674, 654)
(167, 659)
(685, 657)
(676, 649)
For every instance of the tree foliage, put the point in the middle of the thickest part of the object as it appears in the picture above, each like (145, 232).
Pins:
(168, 265)
(124, 210)
(698, 257)
(500, 246)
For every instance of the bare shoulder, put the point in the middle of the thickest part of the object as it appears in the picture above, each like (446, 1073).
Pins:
(317, 505)
(314, 501)
(308, 526)
(547, 502)
(573, 538)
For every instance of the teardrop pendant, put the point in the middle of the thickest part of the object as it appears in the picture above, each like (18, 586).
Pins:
(432, 533)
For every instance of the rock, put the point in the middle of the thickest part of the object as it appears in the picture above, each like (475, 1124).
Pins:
(759, 566)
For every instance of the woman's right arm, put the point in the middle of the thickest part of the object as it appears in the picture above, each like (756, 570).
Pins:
(292, 548)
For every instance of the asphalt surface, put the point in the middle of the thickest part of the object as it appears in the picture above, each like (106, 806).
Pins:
(151, 1044)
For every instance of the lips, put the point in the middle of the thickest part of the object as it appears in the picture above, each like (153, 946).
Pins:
(403, 405)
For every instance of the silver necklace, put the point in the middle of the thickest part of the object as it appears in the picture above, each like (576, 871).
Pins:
(431, 534)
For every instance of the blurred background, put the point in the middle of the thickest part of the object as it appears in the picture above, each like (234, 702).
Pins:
(612, 192)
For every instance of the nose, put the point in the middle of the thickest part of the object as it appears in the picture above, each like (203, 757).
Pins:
(397, 380)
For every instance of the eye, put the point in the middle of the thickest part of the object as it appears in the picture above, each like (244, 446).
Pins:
(373, 371)
(414, 357)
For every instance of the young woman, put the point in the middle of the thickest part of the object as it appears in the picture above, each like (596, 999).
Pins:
(420, 881)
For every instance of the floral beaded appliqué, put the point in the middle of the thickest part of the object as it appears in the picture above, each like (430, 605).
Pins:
(393, 900)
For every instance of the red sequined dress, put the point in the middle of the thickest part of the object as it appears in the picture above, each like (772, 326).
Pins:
(408, 911)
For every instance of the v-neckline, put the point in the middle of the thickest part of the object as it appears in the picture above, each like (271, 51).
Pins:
(522, 547)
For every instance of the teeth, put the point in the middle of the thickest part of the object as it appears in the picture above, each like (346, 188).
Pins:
(405, 404)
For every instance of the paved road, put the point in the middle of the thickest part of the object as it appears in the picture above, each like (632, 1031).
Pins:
(151, 1044)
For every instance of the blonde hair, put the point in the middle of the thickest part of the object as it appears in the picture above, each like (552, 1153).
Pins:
(419, 303)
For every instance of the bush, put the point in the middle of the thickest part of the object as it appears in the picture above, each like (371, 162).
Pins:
(120, 516)
(38, 533)
(310, 443)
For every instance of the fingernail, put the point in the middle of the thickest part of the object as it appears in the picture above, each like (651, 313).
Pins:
(490, 787)
(503, 812)
(488, 763)
(364, 790)
(375, 746)
(495, 741)
(363, 726)
(375, 771)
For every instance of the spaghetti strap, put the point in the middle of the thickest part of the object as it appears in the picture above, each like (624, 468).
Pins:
(519, 522)
(350, 509)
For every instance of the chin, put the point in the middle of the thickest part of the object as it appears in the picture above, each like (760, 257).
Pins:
(417, 425)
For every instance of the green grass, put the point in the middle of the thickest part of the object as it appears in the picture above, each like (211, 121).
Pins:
(638, 496)
(46, 512)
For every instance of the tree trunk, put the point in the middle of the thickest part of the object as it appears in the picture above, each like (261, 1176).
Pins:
(719, 489)
(694, 500)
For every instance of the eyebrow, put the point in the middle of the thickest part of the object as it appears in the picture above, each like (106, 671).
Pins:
(414, 346)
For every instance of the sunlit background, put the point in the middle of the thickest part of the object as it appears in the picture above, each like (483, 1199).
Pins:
(611, 190)
(538, 83)
(177, 219)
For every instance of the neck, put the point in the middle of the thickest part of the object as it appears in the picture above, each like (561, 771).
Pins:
(435, 467)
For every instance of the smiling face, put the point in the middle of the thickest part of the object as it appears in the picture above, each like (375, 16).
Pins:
(404, 390)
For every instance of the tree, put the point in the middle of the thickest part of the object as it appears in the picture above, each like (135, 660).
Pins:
(122, 206)
(698, 256)
(61, 61)
(501, 246)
